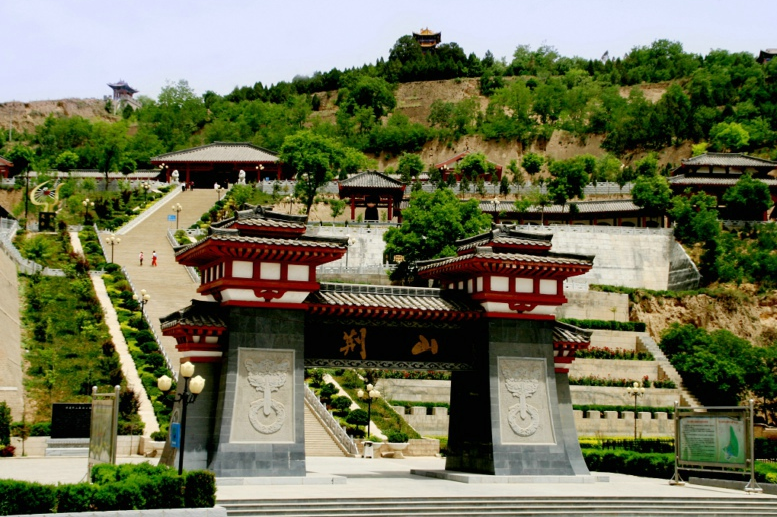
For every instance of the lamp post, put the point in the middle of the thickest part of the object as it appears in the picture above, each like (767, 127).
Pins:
(112, 240)
(191, 388)
(87, 204)
(368, 395)
(143, 299)
(219, 190)
(635, 391)
(177, 209)
(146, 186)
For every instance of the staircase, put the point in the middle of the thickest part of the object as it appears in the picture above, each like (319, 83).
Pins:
(495, 506)
(645, 342)
(318, 442)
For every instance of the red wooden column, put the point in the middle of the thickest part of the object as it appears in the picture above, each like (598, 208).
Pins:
(353, 208)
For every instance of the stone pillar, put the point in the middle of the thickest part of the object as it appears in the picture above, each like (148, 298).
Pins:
(260, 412)
(199, 415)
(508, 416)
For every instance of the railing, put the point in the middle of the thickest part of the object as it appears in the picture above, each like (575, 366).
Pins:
(356, 270)
(26, 266)
(329, 421)
(192, 272)
(666, 367)
(150, 326)
(619, 230)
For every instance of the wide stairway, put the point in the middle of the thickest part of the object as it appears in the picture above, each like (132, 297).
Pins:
(318, 442)
(495, 506)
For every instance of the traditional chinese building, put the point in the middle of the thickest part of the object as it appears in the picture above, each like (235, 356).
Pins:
(372, 191)
(123, 94)
(714, 173)
(427, 39)
(264, 318)
(448, 168)
(220, 162)
(766, 55)
(5, 167)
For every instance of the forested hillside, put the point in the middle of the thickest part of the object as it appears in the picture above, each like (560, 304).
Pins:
(654, 98)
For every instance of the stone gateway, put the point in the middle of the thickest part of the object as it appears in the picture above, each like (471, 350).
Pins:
(263, 318)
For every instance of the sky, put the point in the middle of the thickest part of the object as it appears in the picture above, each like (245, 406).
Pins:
(56, 49)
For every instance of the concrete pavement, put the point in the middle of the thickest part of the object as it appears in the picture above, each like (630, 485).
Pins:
(384, 478)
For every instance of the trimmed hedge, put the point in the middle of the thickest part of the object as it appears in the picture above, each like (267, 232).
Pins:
(628, 326)
(139, 486)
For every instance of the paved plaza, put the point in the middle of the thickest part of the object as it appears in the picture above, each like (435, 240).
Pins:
(384, 477)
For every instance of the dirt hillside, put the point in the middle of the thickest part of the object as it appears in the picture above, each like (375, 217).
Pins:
(742, 311)
(26, 115)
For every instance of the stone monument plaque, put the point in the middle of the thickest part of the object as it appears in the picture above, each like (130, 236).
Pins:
(524, 403)
(264, 397)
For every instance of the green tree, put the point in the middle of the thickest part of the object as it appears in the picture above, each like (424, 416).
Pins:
(569, 178)
(474, 166)
(652, 193)
(21, 156)
(432, 222)
(373, 93)
(532, 163)
(315, 160)
(67, 161)
(5, 424)
(717, 366)
(410, 166)
(748, 199)
(729, 136)
(695, 217)
(336, 207)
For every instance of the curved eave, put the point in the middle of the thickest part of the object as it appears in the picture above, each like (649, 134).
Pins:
(208, 250)
(479, 265)
(392, 313)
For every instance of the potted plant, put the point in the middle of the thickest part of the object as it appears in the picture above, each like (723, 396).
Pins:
(397, 442)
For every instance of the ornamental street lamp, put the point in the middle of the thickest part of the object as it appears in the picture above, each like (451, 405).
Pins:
(143, 299)
(112, 240)
(87, 205)
(177, 209)
(635, 391)
(368, 395)
(191, 388)
(146, 186)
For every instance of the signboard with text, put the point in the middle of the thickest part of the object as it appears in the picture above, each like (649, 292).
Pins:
(713, 440)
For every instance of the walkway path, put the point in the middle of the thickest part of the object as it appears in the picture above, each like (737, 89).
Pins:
(168, 284)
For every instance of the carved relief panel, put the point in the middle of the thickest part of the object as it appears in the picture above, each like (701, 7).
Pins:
(264, 397)
(524, 403)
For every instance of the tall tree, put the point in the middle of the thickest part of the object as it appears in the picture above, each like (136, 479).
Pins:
(410, 166)
(315, 160)
(748, 199)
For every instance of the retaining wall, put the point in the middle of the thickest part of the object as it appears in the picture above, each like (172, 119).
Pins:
(619, 368)
(434, 424)
(611, 424)
(594, 305)
(11, 389)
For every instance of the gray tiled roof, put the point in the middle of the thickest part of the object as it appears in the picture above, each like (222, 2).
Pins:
(681, 179)
(550, 258)
(505, 241)
(371, 179)
(390, 297)
(220, 152)
(564, 332)
(198, 314)
(728, 160)
(584, 207)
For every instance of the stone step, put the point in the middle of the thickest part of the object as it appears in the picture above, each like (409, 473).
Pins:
(72, 452)
(318, 442)
(739, 505)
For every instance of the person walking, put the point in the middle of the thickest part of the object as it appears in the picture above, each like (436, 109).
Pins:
(140, 257)
(153, 259)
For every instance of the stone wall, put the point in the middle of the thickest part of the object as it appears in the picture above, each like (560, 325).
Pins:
(613, 339)
(420, 419)
(594, 305)
(11, 389)
(606, 396)
(614, 368)
(414, 390)
(611, 424)
(683, 273)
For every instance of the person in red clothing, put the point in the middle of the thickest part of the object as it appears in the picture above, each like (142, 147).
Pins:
(153, 258)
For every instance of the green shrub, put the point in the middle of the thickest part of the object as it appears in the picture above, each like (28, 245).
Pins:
(23, 497)
(327, 391)
(397, 436)
(654, 465)
(357, 417)
(75, 498)
(118, 496)
(159, 436)
(41, 429)
(316, 376)
(200, 489)
(628, 326)
(144, 336)
(340, 404)
(5, 424)
(351, 379)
